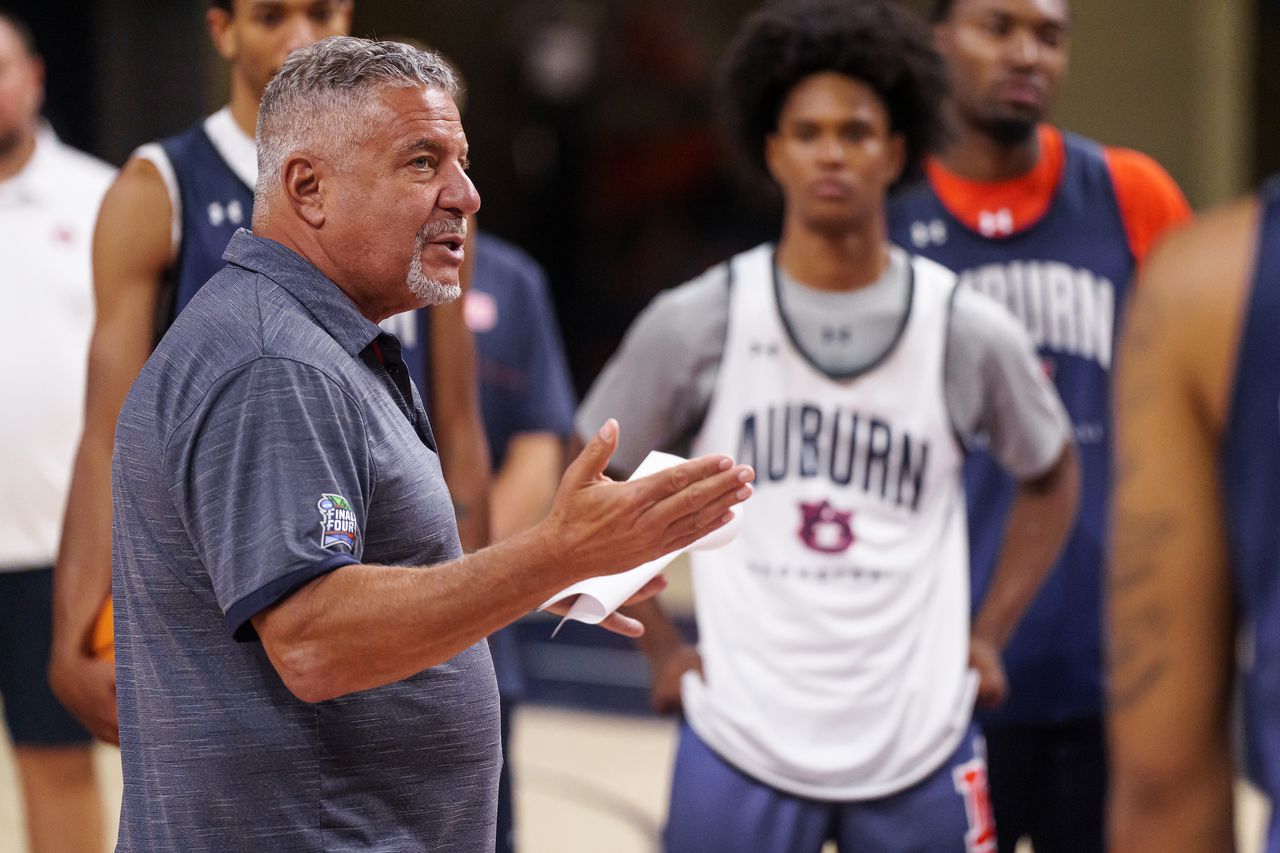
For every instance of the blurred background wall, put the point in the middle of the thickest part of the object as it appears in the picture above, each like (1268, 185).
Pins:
(592, 128)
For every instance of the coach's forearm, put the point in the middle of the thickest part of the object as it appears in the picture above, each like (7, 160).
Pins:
(364, 626)
(1042, 516)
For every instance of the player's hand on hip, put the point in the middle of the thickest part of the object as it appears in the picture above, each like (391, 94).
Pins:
(86, 686)
(600, 526)
(993, 686)
(668, 672)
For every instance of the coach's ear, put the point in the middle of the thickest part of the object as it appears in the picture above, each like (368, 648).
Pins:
(300, 182)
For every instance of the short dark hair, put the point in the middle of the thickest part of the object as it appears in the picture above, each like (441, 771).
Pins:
(941, 11)
(224, 5)
(877, 42)
(23, 30)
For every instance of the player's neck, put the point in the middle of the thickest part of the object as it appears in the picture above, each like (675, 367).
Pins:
(975, 155)
(834, 261)
(244, 108)
(15, 156)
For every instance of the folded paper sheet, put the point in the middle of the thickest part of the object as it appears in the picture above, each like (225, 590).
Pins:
(598, 597)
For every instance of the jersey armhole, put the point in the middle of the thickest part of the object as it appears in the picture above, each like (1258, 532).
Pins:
(154, 153)
(961, 444)
(685, 439)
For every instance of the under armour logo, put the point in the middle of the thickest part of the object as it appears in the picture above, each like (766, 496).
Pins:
(925, 233)
(758, 348)
(232, 212)
(996, 223)
(841, 335)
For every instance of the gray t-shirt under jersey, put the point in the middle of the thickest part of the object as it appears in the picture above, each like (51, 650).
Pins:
(659, 383)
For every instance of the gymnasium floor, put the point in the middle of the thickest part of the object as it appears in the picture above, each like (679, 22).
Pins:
(587, 783)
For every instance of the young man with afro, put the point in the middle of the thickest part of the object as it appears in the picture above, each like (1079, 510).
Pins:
(831, 693)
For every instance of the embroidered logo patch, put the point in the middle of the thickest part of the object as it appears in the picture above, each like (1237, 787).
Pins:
(337, 522)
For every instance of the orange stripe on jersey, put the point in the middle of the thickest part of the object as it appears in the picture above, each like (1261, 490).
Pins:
(1150, 202)
(1000, 208)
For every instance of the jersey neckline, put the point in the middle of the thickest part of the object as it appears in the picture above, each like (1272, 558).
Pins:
(844, 376)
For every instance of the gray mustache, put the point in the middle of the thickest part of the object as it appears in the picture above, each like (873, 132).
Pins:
(444, 226)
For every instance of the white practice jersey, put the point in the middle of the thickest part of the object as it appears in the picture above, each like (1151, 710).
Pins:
(834, 629)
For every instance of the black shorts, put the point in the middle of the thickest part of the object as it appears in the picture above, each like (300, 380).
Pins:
(1049, 783)
(33, 714)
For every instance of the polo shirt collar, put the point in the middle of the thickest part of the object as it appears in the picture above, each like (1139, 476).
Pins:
(332, 309)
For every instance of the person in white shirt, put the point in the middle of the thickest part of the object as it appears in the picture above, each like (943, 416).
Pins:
(49, 196)
(831, 694)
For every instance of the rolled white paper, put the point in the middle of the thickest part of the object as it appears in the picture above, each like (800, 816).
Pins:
(598, 597)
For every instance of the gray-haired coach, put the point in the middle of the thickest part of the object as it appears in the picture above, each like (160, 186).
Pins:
(299, 663)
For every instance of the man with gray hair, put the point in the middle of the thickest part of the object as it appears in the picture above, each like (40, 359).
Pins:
(299, 650)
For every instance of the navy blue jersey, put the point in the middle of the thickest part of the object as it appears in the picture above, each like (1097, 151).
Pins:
(1251, 484)
(1066, 277)
(215, 202)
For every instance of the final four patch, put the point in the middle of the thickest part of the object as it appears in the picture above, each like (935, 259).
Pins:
(337, 522)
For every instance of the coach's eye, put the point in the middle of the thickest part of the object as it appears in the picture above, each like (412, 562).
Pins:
(422, 162)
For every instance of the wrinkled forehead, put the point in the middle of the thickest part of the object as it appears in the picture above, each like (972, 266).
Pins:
(421, 117)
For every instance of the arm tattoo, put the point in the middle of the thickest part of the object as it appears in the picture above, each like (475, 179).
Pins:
(1139, 615)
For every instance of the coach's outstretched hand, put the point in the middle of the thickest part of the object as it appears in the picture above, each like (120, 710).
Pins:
(599, 526)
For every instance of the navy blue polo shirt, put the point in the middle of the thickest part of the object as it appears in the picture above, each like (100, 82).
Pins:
(274, 436)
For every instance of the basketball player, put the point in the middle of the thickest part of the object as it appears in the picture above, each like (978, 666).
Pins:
(828, 697)
(1193, 595)
(49, 195)
(161, 235)
(1053, 226)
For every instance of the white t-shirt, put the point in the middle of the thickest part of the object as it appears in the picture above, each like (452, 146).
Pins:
(833, 630)
(47, 213)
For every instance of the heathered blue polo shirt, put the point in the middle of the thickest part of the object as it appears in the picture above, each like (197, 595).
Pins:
(274, 436)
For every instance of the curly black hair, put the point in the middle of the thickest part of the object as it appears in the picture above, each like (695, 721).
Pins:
(875, 41)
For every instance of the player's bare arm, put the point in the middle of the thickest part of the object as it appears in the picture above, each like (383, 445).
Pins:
(464, 456)
(1040, 519)
(525, 485)
(361, 627)
(1171, 615)
(131, 250)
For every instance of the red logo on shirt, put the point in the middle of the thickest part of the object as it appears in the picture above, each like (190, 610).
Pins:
(825, 528)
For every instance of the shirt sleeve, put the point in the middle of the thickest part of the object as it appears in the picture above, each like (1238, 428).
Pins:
(547, 400)
(1150, 201)
(997, 390)
(659, 383)
(272, 481)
